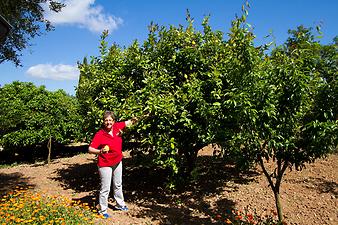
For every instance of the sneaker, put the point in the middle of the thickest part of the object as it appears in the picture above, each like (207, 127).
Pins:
(105, 215)
(121, 208)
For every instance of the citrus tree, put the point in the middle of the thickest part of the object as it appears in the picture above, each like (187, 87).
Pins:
(179, 82)
(32, 116)
(288, 114)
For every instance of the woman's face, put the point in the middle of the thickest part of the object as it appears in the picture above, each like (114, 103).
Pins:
(108, 122)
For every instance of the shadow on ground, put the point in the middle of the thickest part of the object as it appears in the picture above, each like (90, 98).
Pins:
(40, 153)
(9, 182)
(146, 187)
(79, 177)
(320, 185)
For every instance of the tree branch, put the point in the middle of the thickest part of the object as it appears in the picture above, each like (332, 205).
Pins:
(266, 172)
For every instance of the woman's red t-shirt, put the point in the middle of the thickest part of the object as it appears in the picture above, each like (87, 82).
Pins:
(114, 141)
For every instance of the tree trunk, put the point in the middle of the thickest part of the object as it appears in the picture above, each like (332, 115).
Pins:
(49, 146)
(275, 186)
(278, 203)
(191, 156)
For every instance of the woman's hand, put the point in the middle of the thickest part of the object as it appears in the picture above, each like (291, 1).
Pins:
(131, 121)
(134, 120)
(105, 149)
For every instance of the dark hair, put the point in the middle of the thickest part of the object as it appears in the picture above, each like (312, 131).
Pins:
(107, 114)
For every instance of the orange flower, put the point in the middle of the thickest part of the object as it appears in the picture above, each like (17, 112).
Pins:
(238, 217)
(227, 221)
(249, 217)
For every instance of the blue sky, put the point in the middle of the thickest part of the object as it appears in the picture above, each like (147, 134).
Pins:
(51, 60)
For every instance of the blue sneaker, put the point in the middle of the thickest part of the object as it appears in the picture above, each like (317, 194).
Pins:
(121, 208)
(106, 215)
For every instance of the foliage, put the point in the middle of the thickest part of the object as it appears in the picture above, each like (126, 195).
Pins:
(23, 206)
(30, 115)
(179, 82)
(289, 111)
(193, 88)
(27, 21)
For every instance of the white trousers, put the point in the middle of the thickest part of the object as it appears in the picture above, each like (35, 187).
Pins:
(106, 176)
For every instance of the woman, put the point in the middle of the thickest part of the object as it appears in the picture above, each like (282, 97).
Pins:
(107, 144)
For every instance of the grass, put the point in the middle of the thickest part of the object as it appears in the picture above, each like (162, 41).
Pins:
(3, 166)
(23, 206)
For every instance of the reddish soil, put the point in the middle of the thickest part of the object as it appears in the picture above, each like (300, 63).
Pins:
(308, 197)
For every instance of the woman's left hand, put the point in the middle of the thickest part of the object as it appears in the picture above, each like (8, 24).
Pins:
(134, 120)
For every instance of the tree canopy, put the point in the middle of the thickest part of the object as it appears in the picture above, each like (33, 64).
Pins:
(176, 81)
(31, 116)
(27, 21)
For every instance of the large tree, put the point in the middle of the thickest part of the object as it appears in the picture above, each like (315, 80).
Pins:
(178, 81)
(27, 21)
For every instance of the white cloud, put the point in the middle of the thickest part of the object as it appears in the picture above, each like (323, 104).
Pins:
(54, 72)
(84, 14)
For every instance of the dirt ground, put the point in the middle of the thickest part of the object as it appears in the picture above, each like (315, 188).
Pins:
(308, 197)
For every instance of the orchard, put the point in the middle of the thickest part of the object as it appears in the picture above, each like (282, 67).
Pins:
(192, 88)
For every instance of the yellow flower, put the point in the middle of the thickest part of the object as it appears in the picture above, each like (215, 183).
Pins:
(42, 218)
